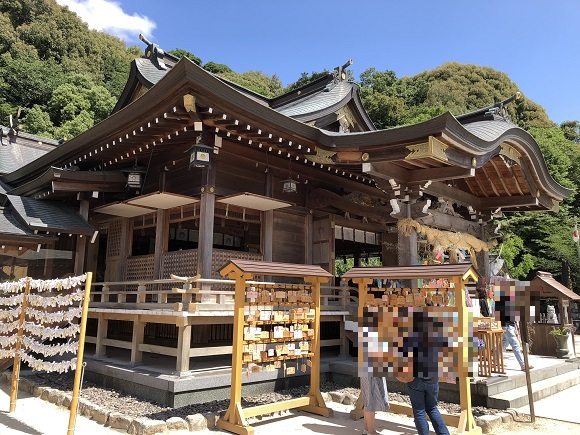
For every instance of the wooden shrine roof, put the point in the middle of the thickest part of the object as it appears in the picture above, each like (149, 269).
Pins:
(489, 165)
(22, 148)
(49, 216)
(275, 269)
(411, 272)
(544, 284)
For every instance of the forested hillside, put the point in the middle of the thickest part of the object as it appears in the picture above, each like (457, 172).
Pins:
(58, 78)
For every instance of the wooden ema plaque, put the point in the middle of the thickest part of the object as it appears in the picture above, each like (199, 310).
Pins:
(447, 294)
(276, 328)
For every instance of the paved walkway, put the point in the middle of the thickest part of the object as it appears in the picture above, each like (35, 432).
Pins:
(561, 406)
(34, 416)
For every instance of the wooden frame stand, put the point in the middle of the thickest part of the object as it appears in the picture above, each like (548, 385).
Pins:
(303, 305)
(457, 275)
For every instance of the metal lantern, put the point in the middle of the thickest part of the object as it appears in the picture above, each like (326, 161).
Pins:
(135, 177)
(199, 154)
(289, 185)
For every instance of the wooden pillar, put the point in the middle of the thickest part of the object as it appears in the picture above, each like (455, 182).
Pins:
(407, 246)
(268, 223)
(268, 234)
(138, 335)
(389, 250)
(81, 247)
(308, 239)
(183, 346)
(48, 261)
(483, 266)
(206, 224)
(100, 348)
(161, 241)
(92, 256)
(126, 246)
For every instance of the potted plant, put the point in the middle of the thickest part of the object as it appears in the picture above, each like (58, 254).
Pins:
(561, 335)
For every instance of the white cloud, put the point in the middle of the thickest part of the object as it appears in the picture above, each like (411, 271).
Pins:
(108, 16)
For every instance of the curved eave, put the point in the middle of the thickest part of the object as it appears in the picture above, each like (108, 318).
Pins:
(187, 77)
(351, 98)
(456, 135)
(184, 77)
(299, 93)
(314, 115)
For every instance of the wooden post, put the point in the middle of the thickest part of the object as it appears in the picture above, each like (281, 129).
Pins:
(137, 340)
(16, 365)
(183, 345)
(101, 334)
(317, 404)
(81, 247)
(268, 223)
(407, 246)
(466, 421)
(79, 368)
(206, 227)
(308, 228)
(234, 416)
(358, 412)
(161, 241)
(125, 249)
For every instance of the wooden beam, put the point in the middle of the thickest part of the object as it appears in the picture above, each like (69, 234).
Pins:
(440, 174)
(459, 196)
(509, 201)
(386, 170)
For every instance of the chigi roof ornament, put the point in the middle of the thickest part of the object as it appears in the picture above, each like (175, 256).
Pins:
(154, 53)
(340, 74)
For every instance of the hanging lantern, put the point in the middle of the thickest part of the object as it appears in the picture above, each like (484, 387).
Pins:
(199, 156)
(135, 177)
(289, 185)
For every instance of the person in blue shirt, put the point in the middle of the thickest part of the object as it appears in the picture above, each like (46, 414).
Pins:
(422, 348)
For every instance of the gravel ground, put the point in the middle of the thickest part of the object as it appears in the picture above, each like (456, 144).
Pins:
(132, 406)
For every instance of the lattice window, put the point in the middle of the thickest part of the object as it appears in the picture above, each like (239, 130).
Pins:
(220, 257)
(114, 238)
(182, 263)
(139, 268)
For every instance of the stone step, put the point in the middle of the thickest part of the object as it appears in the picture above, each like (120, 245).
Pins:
(499, 384)
(518, 397)
(350, 324)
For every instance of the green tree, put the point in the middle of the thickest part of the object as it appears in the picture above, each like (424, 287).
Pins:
(79, 94)
(178, 52)
(27, 80)
(304, 79)
(256, 81)
(571, 130)
(75, 126)
(217, 68)
(37, 121)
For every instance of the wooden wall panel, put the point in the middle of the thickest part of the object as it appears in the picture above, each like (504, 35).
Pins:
(289, 237)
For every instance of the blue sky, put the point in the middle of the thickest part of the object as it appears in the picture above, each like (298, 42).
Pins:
(535, 42)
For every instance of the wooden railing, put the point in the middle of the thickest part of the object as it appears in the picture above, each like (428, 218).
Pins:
(159, 294)
(175, 295)
(182, 302)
